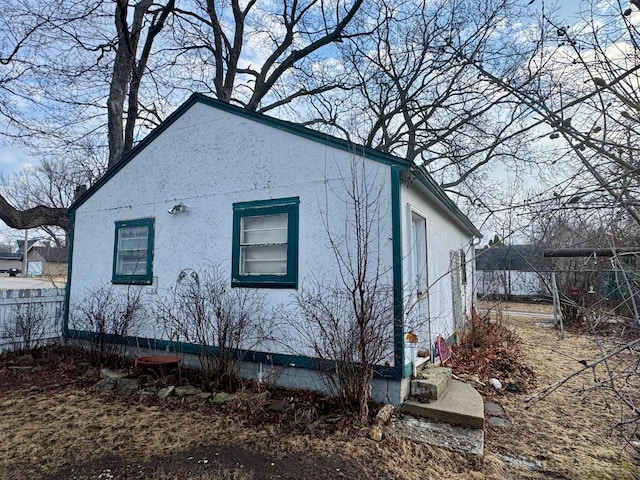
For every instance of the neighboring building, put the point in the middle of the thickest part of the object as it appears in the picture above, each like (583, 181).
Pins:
(41, 260)
(48, 261)
(237, 174)
(510, 271)
(10, 262)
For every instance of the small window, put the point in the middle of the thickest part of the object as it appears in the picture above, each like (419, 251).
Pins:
(133, 252)
(265, 243)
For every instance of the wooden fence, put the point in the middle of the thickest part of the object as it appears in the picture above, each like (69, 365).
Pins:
(30, 317)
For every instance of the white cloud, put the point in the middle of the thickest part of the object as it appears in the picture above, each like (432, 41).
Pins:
(13, 159)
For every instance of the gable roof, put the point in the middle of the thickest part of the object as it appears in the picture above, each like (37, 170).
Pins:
(419, 171)
(20, 245)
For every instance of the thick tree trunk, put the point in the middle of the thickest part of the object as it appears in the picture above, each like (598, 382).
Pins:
(122, 67)
(33, 217)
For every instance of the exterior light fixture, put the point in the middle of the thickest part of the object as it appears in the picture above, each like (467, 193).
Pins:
(180, 207)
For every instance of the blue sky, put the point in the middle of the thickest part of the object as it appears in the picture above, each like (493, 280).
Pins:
(13, 159)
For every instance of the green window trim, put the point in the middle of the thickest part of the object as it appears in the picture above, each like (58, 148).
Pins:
(274, 208)
(146, 277)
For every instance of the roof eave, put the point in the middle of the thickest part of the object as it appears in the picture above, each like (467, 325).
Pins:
(386, 158)
(437, 194)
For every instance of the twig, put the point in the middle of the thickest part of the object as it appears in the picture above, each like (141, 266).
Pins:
(567, 355)
(554, 386)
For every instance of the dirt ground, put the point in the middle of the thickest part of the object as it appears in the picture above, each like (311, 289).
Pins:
(56, 424)
(571, 431)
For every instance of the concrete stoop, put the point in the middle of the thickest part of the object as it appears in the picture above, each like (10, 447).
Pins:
(458, 403)
(431, 382)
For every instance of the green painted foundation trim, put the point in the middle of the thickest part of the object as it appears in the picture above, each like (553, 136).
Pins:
(296, 361)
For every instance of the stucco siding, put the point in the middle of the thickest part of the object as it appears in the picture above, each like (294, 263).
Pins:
(443, 238)
(208, 160)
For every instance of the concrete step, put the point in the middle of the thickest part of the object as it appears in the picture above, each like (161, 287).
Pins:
(461, 404)
(458, 439)
(431, 382)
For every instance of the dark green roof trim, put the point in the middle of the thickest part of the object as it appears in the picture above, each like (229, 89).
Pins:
(297, 361)
(437, 191)
(295, 129)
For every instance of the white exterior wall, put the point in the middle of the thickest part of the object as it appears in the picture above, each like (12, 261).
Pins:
(209, 159)
(442, 237)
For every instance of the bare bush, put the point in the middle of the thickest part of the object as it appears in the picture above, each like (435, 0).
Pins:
(349, 333)
(203, 310)
(347, 321)
(108, 315)
(27, 326)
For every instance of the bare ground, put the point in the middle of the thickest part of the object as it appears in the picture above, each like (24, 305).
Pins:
(55, 424)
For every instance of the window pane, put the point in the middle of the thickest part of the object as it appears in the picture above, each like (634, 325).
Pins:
(263, 229)
(132, 263)
(127, 233)
(263, 260)
(133, 238)
(132, 250)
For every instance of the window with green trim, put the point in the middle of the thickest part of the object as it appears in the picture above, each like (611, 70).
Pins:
(133, 252)
(265, 243)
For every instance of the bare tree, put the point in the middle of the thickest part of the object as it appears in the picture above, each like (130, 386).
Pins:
(580, 90)
(130, 63)
(410, 92)
(52, 182)
(347, 322)
(262, 56)
(398, 77)
(64, 72)
(79, 50)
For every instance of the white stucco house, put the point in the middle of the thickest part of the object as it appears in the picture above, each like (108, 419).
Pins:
(254, 195)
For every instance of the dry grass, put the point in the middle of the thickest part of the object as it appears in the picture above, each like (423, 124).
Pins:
(570, 430)
(86, 434)
(76, 431)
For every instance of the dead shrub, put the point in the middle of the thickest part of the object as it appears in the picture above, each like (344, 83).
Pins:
(105, 317)
(27, 326)
(488, 349)
(347, 320)
(349, 335)
(203, 310)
